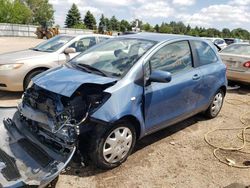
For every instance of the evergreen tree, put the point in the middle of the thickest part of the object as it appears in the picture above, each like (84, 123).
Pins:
(157, 28)
(102, 25)
(89, 20)
(115, 25)
(73, 18)
(108, 25)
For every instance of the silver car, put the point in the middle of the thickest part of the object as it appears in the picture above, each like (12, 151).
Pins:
(237, 59)
(17, 68)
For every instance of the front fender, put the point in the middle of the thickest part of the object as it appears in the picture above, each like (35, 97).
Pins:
(125, 101)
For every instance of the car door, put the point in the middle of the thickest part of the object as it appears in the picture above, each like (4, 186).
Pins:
(166, 103)
(211, 68)
(80, 46)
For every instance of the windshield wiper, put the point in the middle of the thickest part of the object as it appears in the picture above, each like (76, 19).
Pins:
(91, 69)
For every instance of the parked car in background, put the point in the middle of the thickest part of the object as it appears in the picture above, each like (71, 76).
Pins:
(18, 68)
(110, 96)
(232, 40)
(219, 42)
(237, 59)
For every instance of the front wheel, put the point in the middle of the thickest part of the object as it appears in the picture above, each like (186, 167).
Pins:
(216, 105)
(113, 146)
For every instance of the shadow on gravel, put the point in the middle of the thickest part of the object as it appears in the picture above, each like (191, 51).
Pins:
(161, 134)
(239, 88)
(9, 99)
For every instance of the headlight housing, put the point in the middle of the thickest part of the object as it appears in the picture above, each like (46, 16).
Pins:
(10, 66)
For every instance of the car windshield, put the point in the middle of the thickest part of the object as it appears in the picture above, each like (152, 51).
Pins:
(114, 57)
(238, 49)
(53, 44)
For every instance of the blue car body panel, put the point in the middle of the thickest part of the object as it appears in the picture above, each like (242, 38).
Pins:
(167, 102)
(65, 81)
(125, 101)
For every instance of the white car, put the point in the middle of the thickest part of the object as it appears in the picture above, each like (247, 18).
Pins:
(217, 41)
(18, 68)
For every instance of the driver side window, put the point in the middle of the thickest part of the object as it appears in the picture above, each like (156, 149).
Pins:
(174, 57)
(83, 44)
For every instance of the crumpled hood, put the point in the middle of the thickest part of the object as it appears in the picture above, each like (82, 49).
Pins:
(65, 81)
(13, 57)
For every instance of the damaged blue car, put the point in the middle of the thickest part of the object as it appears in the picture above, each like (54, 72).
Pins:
(105, 99)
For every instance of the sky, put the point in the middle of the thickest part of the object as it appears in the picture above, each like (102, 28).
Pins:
(205, 13)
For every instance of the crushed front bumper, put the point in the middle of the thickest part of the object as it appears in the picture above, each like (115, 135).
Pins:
(24, 160)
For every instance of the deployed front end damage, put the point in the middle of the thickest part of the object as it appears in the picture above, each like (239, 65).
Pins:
(24, 160)
(40, 137)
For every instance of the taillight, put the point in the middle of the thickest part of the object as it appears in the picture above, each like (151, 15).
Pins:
(247, 64)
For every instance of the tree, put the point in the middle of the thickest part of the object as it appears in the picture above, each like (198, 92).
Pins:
(73, 18)
(108, 25)
(125, 26)
(147, 27)
(115, 25)
(157, 28)
(14, 12)
(42, 11)
(102, 25)
(240, 33)
(226, 32)
(165, 28)
(89, 20)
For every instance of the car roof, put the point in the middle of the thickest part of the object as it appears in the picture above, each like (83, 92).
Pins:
(158, 37)
(85, 35)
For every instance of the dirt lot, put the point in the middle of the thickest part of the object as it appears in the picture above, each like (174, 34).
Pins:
(174, 157)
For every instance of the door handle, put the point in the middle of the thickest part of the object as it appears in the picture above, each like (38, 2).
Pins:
(196, 77)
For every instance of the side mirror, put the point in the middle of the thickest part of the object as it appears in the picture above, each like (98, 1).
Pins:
(160, 76)
(70, 50)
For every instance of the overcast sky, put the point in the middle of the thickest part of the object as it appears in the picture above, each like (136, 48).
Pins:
(208, 13)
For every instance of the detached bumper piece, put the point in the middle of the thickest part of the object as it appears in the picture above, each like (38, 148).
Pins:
(24, 160)
(10, 171)
(37, 153)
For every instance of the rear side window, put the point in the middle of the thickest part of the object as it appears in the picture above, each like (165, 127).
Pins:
(173, 58)
(205, 53)
(83, 44)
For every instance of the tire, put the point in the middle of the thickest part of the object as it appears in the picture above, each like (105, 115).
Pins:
(216, 105)
(29, 76)
(121, 148)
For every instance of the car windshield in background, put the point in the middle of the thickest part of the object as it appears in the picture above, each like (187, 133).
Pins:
(238, 49)
(53, 44)
(114, 57)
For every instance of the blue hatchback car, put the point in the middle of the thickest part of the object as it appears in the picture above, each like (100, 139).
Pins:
(108, 97)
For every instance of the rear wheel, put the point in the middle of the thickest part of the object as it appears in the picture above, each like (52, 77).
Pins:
(30, 76)
(216, 105)
(113, 146)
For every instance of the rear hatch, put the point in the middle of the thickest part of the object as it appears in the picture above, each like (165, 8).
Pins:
(235, 62)
(24, 159)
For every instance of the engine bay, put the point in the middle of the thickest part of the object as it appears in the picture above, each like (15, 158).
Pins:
(56, 119)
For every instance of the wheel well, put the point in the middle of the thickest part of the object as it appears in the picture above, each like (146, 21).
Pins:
(224, 89)
(36, 69)
(134, 122)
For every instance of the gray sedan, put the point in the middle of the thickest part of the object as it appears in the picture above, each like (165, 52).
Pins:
(237, 59)
(18, 68)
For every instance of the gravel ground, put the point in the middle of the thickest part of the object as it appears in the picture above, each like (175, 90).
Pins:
(174, 157)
